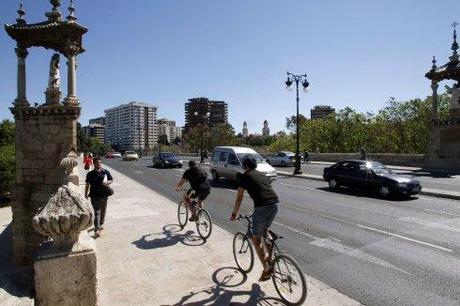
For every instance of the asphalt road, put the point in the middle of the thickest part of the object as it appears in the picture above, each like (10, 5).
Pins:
(379, 252)
(428, 179)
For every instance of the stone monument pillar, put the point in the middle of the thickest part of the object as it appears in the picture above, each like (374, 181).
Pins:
(65, 270)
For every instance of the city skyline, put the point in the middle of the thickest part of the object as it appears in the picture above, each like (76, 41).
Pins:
(356, 54)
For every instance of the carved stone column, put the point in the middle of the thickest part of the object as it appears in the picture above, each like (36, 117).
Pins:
(71, 77)
(434, 102)
(21, 100)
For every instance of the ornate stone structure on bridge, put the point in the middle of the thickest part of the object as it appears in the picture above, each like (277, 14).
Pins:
(444, 146)
(44, 136)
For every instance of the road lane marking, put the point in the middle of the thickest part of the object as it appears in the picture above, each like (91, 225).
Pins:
(441, 212)
(335, 245)
(405, 238)
(430, 224)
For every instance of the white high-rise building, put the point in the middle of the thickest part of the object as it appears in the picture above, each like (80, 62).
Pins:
(131, 126)
(168, 127)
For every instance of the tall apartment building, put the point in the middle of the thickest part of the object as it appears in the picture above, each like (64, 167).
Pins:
(95, 130)
(198, 109)
(321, 111)
(131, 126)
(98, 120)
(168, 128)
(265, 129)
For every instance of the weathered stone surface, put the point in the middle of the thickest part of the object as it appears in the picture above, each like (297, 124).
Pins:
(65, 215)
(67, 279)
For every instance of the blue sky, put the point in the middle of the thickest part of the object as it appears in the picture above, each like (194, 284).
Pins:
(356, 53)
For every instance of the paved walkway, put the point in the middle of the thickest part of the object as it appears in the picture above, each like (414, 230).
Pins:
(145, 259)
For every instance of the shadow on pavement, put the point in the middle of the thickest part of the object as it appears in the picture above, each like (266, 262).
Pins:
(430, 173)
(14, 280)
(367, 194)
(221, 294)
(171, 236)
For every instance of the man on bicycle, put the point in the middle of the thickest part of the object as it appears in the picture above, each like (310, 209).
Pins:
(199, 185)
(265, 208)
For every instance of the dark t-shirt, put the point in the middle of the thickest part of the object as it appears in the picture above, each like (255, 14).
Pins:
(197, 177)
(258, 187)
(95, 178)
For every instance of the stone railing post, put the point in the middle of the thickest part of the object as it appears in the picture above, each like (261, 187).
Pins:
(65, 270)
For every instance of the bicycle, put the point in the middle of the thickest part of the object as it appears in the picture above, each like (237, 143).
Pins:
(203, 219)
(286, 274)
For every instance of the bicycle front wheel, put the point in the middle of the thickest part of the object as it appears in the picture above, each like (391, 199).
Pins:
(289, 280)
(182, 214)
(243, 252)
(204, 224)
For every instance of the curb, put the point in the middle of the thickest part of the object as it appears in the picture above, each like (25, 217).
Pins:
(426, 192)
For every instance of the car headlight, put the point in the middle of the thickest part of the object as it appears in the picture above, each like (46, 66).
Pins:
(180, 161)
(166, 162)
(270, 173)
(402, 185)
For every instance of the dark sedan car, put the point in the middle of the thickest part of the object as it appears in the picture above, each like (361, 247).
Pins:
(370, 175)
(166, 160)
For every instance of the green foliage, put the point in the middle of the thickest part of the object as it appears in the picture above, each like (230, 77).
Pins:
(97, 147)
(291, 122)
(7, 156)
(400, 127)
(163, 140)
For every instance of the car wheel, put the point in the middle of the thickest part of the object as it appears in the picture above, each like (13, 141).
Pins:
(283, 163)
(215, 176)
(180, 166)
(333, 184)
(384, 191)
(163, 165)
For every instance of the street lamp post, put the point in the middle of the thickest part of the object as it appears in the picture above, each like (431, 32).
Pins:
(293, 78)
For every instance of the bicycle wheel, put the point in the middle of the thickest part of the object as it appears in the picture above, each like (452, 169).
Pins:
(289, 280)
(243, 252)
(182, 214)
(204, 224)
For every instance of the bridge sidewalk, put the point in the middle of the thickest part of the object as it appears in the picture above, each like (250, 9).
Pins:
(145, 259)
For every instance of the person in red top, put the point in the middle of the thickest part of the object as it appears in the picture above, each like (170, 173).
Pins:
(87, 161)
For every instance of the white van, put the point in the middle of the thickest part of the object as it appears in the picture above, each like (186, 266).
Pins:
(226, 162)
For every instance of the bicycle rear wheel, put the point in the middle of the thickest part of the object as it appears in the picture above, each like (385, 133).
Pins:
(289, 280)
(243, 252)
(204, 224)
(182, 214)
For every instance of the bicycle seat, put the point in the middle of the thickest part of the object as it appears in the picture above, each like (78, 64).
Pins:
(274, 236)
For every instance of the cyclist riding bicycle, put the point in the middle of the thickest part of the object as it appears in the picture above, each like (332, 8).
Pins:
(306, 157)
(265, 208)
(200, 187)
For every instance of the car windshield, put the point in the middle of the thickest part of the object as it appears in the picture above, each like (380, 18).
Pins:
(256, 156)
(378, 168)
(168, 155)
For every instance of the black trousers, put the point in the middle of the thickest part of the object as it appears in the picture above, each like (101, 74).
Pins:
(99, 205)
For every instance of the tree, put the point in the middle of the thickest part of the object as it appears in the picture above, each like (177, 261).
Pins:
(7, 156)
(163, 140)
(291, 122)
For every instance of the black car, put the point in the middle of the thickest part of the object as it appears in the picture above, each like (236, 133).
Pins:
(370, 175)
(166, 160)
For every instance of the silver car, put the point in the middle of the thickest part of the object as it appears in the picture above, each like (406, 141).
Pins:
(282, 158)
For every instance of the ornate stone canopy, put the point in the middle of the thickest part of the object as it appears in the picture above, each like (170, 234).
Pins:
(449, 71)
(56, 35)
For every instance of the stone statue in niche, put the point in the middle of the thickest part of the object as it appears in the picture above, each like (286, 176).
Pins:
(455, 92)
(54, 77)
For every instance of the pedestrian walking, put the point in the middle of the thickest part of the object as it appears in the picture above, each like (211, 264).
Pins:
(97, 188)
(87, 161)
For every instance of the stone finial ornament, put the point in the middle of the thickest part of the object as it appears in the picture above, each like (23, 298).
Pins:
(65, 215)
(71, 16)
(56, 4)
(433, 67)
(454, 47)
(20, 20)
(69, 163)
